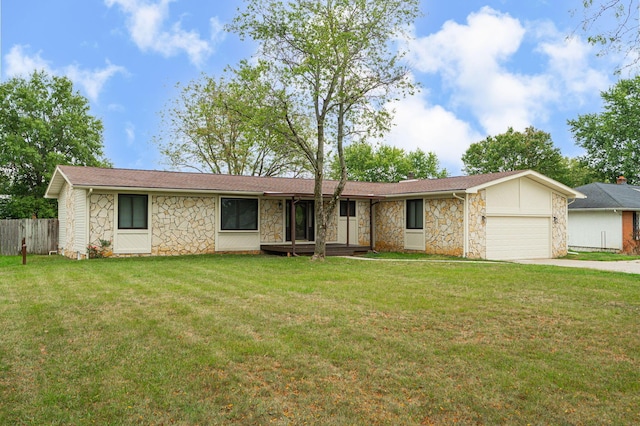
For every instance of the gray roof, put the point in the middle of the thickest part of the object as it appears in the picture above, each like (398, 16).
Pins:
(608, 196)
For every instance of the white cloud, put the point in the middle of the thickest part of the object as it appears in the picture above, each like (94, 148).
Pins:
(130, 131)
(218, 33)
(21, 63)
(477, 81)
(93, 80)
(146, 25)
(432, 129)
(569, 64)
(472, 59)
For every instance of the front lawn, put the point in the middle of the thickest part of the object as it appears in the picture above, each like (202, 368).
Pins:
(600, 256)
(260, 340)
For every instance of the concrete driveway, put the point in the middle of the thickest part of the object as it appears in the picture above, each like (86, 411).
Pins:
(630, 266)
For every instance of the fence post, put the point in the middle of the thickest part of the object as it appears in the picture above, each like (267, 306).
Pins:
(24, 251)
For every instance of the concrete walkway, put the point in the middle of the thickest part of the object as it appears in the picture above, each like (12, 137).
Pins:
(628, 266)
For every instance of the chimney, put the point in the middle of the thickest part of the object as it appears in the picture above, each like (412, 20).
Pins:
(411, 176)
(621, 180)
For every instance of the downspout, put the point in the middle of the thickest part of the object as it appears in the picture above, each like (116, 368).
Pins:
(465, 224)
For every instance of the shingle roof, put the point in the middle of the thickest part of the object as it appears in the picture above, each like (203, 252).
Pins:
(608, 196)
(182, 181)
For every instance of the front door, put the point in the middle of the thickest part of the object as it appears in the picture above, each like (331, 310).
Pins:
(304, 224)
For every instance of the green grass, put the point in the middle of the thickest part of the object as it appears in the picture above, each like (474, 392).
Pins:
(260, 340)
(601, 256)
(412, 256)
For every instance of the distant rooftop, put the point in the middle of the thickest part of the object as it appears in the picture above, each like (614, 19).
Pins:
(608, 196)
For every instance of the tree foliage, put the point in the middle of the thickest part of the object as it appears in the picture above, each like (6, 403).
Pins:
(611, 138)
(221, 126)
(614, 26)
(577, 172)
(532, 149)
(43, 123)
(386, 164)
(333, 61)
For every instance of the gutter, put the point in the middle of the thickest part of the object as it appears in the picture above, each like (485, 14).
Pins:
(424, 194)
(170, 190)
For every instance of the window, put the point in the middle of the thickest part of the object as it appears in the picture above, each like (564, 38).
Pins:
(414, 214)
(132, 211)
(636, 225)
(343, 208)
(239, 214)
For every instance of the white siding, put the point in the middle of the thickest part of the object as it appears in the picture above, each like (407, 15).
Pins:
(595, 229)
(62, 218)
(342, 230)
(414, 239)
(80, 220)
(519, 197)
(512, 237)
(238, 241)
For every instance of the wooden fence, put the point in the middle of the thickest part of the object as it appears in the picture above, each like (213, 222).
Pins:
(41, 236)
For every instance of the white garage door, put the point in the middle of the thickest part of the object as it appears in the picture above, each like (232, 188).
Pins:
(518, 238)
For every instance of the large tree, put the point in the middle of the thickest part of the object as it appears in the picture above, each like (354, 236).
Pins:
(336, 62)
(43, 123)
(386, 164)
(532, 149)
(614, 26)
(219, 126)
(611, 138)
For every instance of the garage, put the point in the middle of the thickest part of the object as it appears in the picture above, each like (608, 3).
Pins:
(513, 237)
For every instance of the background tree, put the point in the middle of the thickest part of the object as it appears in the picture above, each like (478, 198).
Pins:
(218, 126)
(611, 138)
(532, 149)
(578, 173)
(334, 61)
(385, 164)
(43, 123)
(621, 30)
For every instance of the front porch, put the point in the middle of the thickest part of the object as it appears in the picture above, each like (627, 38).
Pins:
(306, 249)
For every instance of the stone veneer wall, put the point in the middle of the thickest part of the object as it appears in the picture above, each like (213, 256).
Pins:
(271, 221)
(182, 225)
(332, 225)
(389, 226)
(477, 226)
(444, 226)
(101, 218)
(364, 220)
(559, 232)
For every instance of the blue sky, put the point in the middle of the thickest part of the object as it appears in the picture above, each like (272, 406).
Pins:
(483, 65)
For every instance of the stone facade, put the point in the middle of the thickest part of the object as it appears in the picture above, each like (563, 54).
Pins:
(559, 233)
(389, 226)
(183, 225)
(332, 226)
(477, 224)
(444, 226)
(364, 217)
(101, 218)
(271, 221)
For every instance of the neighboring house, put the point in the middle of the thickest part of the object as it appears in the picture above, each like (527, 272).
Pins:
(608, 219)
(509, 215)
